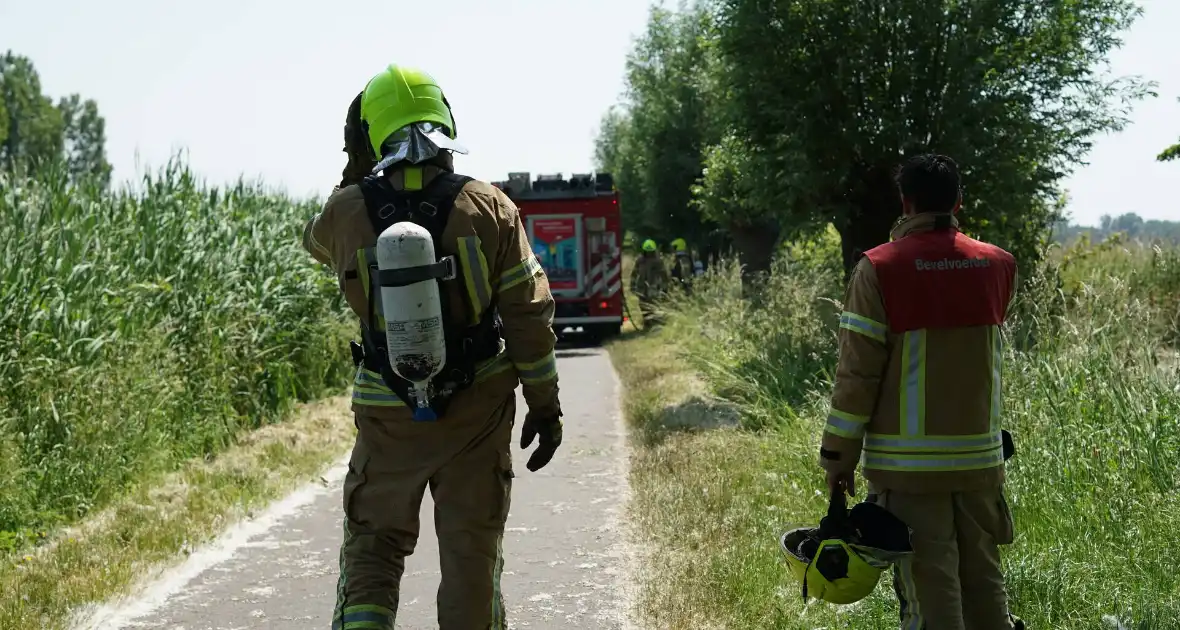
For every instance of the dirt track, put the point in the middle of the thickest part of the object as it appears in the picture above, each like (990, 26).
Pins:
(566, 553)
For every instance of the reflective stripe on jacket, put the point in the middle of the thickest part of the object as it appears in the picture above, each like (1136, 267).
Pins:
(369, 390)
(918, 391)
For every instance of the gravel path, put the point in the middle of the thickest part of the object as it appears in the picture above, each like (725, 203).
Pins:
(566, 553)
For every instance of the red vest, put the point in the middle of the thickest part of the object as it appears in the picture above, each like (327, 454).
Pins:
(943, 279)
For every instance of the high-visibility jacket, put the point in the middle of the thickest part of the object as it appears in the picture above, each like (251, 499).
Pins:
(917, 394)
(486, 235)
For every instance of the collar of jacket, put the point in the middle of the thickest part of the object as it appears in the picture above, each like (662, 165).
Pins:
(918, 223)
(398, 178)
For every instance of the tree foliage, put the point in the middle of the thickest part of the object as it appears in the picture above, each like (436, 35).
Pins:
(35, 132)
(795, 114)
(1130, 225)
(1170, 153)
(653, 144)
(33, 126)
(84, 139)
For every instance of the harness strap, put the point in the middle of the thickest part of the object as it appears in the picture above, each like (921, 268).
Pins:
(441, 270)
(430, 208)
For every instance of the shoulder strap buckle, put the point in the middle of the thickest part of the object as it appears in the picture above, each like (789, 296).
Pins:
(452, 270)
(427, 209)
(387, 211)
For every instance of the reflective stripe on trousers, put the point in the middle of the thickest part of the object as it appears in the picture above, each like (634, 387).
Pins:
(364, 617)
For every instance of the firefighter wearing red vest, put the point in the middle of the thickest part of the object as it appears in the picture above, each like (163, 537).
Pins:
(917, 399)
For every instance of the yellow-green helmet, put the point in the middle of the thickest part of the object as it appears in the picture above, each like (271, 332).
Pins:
(679, 245)
(852, 579)
(649, 245)
(841, 561)
(407, 117)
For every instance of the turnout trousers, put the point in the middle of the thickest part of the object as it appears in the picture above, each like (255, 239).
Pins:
(466, 461)
(647, 307)
(953, 581)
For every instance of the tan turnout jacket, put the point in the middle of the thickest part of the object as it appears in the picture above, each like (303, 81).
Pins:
(649, 277)
(920, 409)
(485, 234)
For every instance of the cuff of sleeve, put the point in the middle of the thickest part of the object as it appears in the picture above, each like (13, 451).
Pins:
(839, 454)
(541, 402)
(546, 411)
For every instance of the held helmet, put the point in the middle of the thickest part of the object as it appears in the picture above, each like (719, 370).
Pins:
(841, 561)
(649, 245)
(679, 245)
(407, 117)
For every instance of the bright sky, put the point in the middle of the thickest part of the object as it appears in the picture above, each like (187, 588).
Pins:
(261, 87)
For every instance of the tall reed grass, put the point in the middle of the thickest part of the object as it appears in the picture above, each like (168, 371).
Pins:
(140, 328)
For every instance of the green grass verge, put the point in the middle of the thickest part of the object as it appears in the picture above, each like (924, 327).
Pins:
(1093, 486)
(161, 520)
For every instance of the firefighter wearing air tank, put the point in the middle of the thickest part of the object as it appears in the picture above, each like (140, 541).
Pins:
(918, 396)
(455, 311)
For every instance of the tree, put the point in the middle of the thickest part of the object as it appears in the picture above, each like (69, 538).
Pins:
(1170, 153)
(1129, 223)
(829, 96)
(84, 139)
(654, 143)
(33, 126)
(34, 132)
(615, 152)
(729, 193)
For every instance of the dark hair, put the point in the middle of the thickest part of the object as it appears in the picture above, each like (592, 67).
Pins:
(930, 182)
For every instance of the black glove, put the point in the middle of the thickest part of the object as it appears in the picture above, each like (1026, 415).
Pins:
(1009, 445)
(549, 428)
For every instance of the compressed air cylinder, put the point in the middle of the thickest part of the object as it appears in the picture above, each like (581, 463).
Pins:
(413, 313)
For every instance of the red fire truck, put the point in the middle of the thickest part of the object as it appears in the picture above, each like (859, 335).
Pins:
(575, 231)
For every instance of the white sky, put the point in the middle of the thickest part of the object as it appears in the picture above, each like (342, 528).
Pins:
(261, 87)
